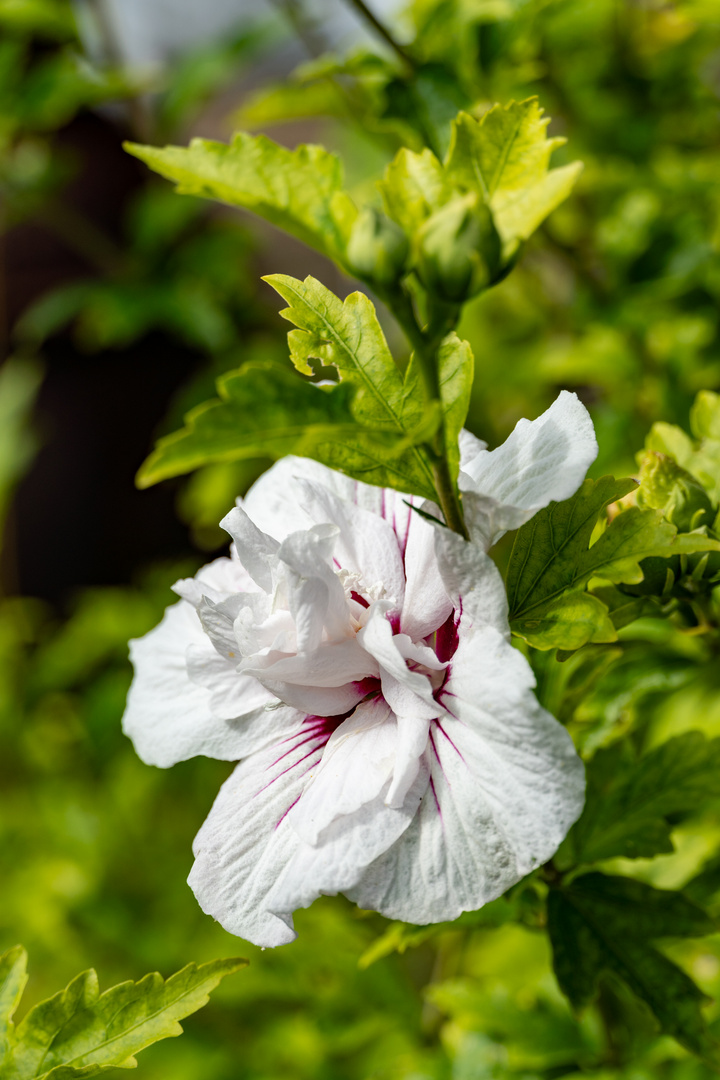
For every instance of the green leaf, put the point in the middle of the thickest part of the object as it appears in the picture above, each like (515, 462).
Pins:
(705, 416)
(423, 105)
(545, 1039)
(456, 365)
(599, 924)
(704, 887)
(628, 801)
(291, 100)
(414, 187)
(456, 369)
(700, 456)
(623, 609)
(552, 556)
(20, 380)
(567, 622)
(53, 19)
(264, 410)
(81, 1033)
(299, 190)
(505, 156)
(13, 978)
(348, 336)
(519, 905)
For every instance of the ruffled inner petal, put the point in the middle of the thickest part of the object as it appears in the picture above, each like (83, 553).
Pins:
(367, 543)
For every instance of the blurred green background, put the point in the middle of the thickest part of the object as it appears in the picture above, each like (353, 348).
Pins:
(119, 304)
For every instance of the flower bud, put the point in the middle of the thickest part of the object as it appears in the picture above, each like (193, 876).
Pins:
(665, 486)
(458, 250)
(377, 248)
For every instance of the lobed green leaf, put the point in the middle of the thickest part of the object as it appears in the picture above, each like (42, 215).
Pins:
(300, 191)
(81, 1033)
(628, 801)
(553, 559)
(263, 410)
(505, 157)
(600, 924)
(347, 335)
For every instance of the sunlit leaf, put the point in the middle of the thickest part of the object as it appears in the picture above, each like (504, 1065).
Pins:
(347, 335)
(505, 157)
(263, 410)
(52, 19)
(414, 186)
(291, 101)
(13, 978)
(81, 1032)
(552, 558)
(299, 190)
(566, 622)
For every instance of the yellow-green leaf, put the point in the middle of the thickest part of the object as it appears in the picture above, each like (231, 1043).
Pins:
(300, 191)
(505, 156)
(81, 1032)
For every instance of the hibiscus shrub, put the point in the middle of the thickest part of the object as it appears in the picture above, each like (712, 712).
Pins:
(355, 650)
(433, 662)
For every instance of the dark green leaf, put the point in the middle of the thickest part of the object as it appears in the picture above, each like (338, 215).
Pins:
(628, 801)
(599, 924)
(704, 888)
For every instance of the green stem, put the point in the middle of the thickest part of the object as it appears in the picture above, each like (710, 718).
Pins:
(426, 344)
(383, 32)
(305, 27)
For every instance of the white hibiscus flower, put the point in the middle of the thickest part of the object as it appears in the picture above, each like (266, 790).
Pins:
(357, 659)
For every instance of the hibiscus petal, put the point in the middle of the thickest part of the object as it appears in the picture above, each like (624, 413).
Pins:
(232, 694)
(427, 604)
(255, 548)
(408, 693)
(470, 446)
(169, 717)
(412, 743)
(218, 580)
(275, 500)
(308, 556)
(356, 764)
(473, 580)
(366, 544)
(333, 664)
(506, 784)
(347, 846)
(217, 621)
(326, 683)
(543, 460)
(246, 840)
